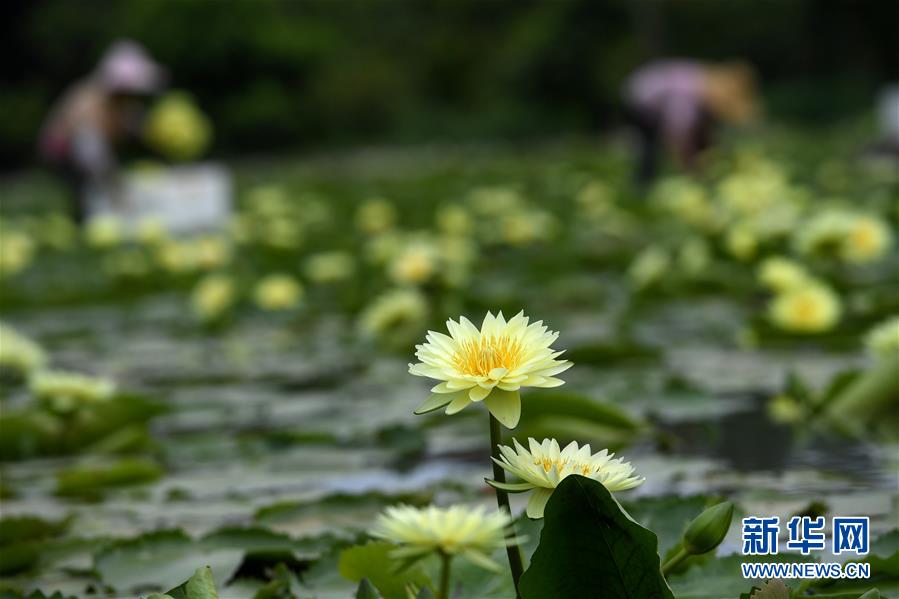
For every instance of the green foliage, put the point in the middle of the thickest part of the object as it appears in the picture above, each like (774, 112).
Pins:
(199, 586)
(366, 590)
(21, 540)
(372, 561)
(721, 577)
(568, 416)
(119, 423)
(773, 589)
(589, 547)
(156, 559)
(89, 482)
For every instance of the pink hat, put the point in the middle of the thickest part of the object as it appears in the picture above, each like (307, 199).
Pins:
(126, 67)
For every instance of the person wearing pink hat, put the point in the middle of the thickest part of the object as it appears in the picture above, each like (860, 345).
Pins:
(95, 114)
(678, 105)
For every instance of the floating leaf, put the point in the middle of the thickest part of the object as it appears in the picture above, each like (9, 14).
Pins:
(155, 559)
(90, 482)
(373, 561)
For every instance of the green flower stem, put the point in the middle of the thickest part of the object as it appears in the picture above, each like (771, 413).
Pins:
(675, 561)
(444, 576)
(502, 500)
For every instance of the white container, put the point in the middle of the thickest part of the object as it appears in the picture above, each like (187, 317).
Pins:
(183, 199)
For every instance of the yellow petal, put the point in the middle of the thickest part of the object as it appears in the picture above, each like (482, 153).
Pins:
(537, 502)
(435, 402)
(458, 404)
(505, 407)
(478, 393)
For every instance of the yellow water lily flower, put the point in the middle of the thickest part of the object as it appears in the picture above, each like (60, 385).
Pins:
(151, 231)
(16, 252)
(489, 364)
(741, 242)
(812, 308)
(277, 292)
(416, 263)
(544, 466)
(649, 266)
(883, 340)
(867, 239)
(18, 353)
(104, 232)
(782, 274)
(213, 296)
(330, 267)
(177, 128)
(375, 216)
(454, 220)
(471, 532)
(395, 314)
(66, 391)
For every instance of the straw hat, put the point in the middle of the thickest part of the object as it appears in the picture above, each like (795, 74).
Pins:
(729, 92)
(127, 68)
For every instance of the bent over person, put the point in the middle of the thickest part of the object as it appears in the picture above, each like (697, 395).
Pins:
(678, 104)
(78, 138)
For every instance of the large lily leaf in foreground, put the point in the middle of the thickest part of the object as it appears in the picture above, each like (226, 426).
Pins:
(590, 547)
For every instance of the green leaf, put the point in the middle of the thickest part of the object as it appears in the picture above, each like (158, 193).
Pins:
(198, 586)
(568, 416)
(722, 577)
(366, 590)
(866, 397)
(666, 516)
(590, 547)
(773, 589)
(156, 559)
(89, 482)
(373, 561)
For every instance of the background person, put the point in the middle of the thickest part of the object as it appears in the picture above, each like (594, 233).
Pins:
(94, 115)
(679, 103)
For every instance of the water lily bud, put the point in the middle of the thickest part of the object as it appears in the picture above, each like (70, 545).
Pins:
(708, 529)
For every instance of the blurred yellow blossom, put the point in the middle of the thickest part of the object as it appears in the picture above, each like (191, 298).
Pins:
(329, 267)
(648, 267)
(810, 308)
(18, 353)
(454, 219)
(396, 316)
(67, 391)
(781, 274)
(16, 252)
(375, 216)
(415, 263)
(104, 232)
(213, 297)
(882, 341)
(277, 292)
(867, 238)
(151, 231)
(470, 532)
(741, 242)
(177, 128)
